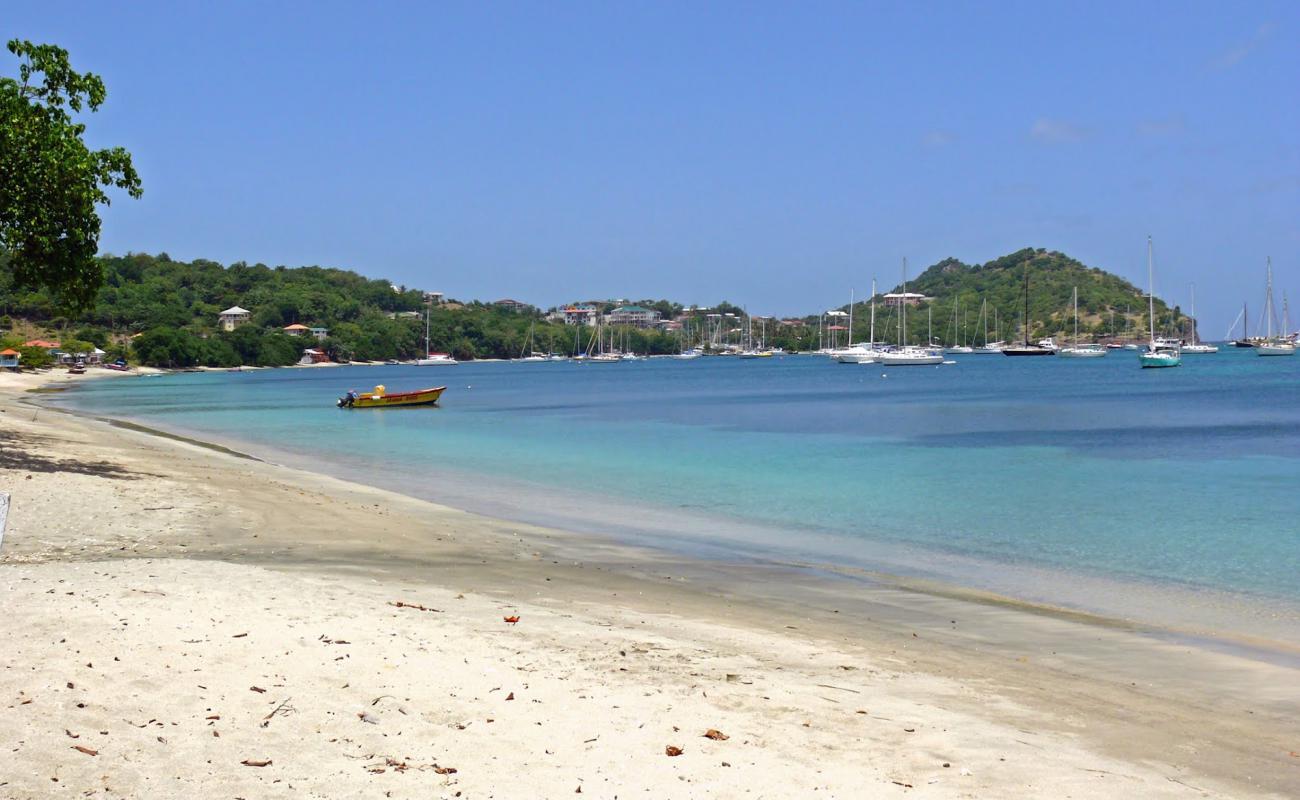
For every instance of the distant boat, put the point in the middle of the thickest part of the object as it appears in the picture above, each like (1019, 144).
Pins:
(955, 348)
(432, 359)
(687, 355)
(1077, 350)
(436, 360)
(379, 398)
(1159, 353)
(1025, 348)
(1197, 348)
(908, 355)
(1274, 345)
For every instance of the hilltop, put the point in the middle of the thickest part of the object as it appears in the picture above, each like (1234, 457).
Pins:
(1108, 304)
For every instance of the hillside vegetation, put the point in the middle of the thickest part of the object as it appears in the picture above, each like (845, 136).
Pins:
(163, 312)
(1052, 278)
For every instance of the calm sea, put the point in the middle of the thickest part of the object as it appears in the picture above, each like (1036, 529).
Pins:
(1090, 483)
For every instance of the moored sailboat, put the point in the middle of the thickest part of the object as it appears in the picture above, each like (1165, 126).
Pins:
(1158, 353)
(1197, 348)
(1077, 350)
(1026, 348)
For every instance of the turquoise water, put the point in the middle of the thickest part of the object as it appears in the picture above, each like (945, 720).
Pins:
(1072, 471)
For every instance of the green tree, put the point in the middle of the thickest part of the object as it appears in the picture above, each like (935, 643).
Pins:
(50, 181)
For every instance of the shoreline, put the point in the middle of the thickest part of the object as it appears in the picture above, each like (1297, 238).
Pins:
(1218, 621)
(590, 579)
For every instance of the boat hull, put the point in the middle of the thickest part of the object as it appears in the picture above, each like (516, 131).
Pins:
(420, 397)
(1272, 349)
(1158, 360)
(1081, 352)
(1031, 350)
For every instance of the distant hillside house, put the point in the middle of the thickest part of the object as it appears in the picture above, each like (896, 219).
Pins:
(636, 316)
(320, 333)
(895, 299)
(296, 329)
(513, 305)
(792, 323)
(580, 314)
(233, 317)
(433, 298)
(50, 347)
(9, 358)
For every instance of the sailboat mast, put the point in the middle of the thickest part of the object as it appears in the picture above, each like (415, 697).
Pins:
(1193, 314)
(1026, 304)
(1151, 293)
(1076, 316)
(851, 301)
(873, 313)
(902, 309)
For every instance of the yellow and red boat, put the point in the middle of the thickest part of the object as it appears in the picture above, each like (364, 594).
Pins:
(380, 398)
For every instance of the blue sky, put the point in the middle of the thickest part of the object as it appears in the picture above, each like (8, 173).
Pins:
(772, 155)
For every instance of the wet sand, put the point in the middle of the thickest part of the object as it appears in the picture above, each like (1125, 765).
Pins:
(134, 565)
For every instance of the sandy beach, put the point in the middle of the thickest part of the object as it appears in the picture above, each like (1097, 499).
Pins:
(182, 620)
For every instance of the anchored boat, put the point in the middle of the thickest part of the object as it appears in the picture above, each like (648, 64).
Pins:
(380, 398)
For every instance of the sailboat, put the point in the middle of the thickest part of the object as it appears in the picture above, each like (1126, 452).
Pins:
(862, 353)
(432, 359)
(1025, 348)
(1197, 348)
(527, 353)
(1158, 353)
(988, 348)
(907, 355)
(1274, 345)
(956, 347)
(1077, 350)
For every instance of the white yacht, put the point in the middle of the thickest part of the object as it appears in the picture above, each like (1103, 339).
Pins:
(1077, 350)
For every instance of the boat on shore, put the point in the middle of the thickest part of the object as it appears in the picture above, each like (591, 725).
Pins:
(380, 398)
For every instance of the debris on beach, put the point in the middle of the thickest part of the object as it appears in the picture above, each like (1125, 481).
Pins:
(416, 606)
(85, 750)
(716, 735)
(673, 751)
(511, 620)
(251, 762)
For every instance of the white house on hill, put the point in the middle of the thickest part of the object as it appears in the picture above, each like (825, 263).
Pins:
(233, 317)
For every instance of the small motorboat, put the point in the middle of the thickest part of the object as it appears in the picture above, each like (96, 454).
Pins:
(380, 398)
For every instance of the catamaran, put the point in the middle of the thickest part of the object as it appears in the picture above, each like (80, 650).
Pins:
(432, 359)
(1159, 353)
(1274, 345)
(908, 355)
(1077, 350)
(1197, 348)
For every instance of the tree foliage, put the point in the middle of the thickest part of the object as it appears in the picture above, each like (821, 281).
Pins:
(50, 180)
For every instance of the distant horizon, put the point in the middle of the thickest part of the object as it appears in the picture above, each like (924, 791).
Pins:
(756, 153)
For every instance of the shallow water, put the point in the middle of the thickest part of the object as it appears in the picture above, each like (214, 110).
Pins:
(1088, 483)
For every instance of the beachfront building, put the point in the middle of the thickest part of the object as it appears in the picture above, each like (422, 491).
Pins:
(313, 356)
(233, 317)
(296, 329)
(580, 314)
(9, 358)
(635, 316)
(896, 299)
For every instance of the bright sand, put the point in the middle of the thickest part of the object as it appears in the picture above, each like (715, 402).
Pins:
(149, 584)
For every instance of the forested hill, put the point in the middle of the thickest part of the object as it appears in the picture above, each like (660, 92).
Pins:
(1052, 278)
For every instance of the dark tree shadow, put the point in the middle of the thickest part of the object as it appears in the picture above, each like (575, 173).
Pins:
(17, 453)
